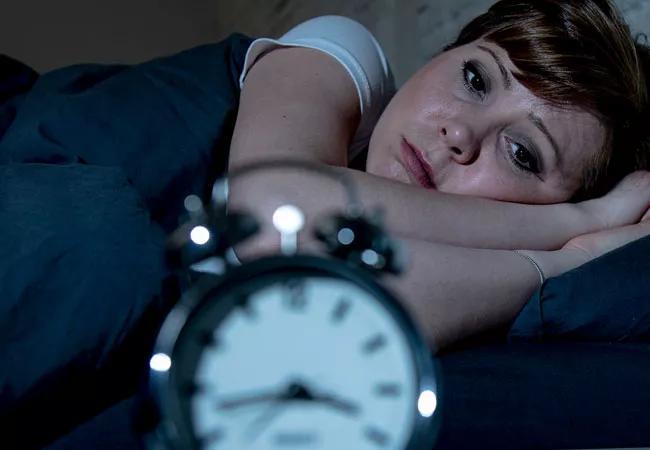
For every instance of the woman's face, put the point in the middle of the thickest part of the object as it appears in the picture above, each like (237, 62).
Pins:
(464, 125)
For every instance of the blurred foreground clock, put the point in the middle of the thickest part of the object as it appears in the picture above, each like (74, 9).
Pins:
(292, 351)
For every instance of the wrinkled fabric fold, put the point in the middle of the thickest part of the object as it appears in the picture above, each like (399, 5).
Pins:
(94, 166)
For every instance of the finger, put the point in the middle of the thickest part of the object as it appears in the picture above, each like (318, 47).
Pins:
(646, 216)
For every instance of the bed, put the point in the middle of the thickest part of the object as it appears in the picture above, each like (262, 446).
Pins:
(94, 164)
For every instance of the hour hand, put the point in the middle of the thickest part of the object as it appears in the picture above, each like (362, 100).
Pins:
(301, 391)
(251, 399)
(292, 391)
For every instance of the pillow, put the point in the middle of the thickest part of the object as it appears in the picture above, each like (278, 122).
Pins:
(607, 299)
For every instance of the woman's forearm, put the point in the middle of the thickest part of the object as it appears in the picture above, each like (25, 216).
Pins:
(417, 213)
(474, 222)
(454, 292)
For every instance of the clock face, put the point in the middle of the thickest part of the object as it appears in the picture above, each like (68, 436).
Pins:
(314, 362)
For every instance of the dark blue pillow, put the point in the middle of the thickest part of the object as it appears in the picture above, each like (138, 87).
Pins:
(607, 299)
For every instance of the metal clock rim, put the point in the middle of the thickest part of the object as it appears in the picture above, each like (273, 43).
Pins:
(427, 371)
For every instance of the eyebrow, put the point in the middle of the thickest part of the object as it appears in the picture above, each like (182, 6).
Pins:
(537, 121)
(505, 75)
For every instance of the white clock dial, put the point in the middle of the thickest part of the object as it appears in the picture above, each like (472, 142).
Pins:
(318, 364)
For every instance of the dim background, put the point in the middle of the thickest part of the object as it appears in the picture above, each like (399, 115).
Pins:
(50, 34)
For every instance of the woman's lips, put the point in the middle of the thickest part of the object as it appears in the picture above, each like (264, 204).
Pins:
(419, 171)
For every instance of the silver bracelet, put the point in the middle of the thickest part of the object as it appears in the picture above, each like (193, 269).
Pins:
(542, 278)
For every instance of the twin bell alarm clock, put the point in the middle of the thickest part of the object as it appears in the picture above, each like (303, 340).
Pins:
(293, 350)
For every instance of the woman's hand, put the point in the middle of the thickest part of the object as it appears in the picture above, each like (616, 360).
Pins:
(587, 247)
(593, 245)
(646, 216)
(623, 205)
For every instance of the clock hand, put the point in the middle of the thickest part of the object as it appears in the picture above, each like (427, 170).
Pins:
(345, 406)
(261, 422)
(294, 391)
(260, 397)
(300, 391)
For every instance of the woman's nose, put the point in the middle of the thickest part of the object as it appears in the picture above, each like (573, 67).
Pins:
(460, 141)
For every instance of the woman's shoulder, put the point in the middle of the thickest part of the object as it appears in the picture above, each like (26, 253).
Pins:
(355, 48)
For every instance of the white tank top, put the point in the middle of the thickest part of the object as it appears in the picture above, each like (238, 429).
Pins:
(352, 45)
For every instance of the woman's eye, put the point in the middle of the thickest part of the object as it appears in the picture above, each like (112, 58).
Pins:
(473, 79)
(522, 157)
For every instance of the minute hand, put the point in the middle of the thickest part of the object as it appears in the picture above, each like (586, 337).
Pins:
(345, 406)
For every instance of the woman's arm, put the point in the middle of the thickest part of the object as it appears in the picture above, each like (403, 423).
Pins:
(452, 291)
(455, 292)
(301, 103)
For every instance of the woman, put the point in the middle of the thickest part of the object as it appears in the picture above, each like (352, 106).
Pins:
(526, 107)
(91, 166)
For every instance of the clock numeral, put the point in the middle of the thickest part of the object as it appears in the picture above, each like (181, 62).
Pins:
(376, 436)
(341, 310)
(295, 299)
(295, 438)
(374, 343)
(388, 390)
